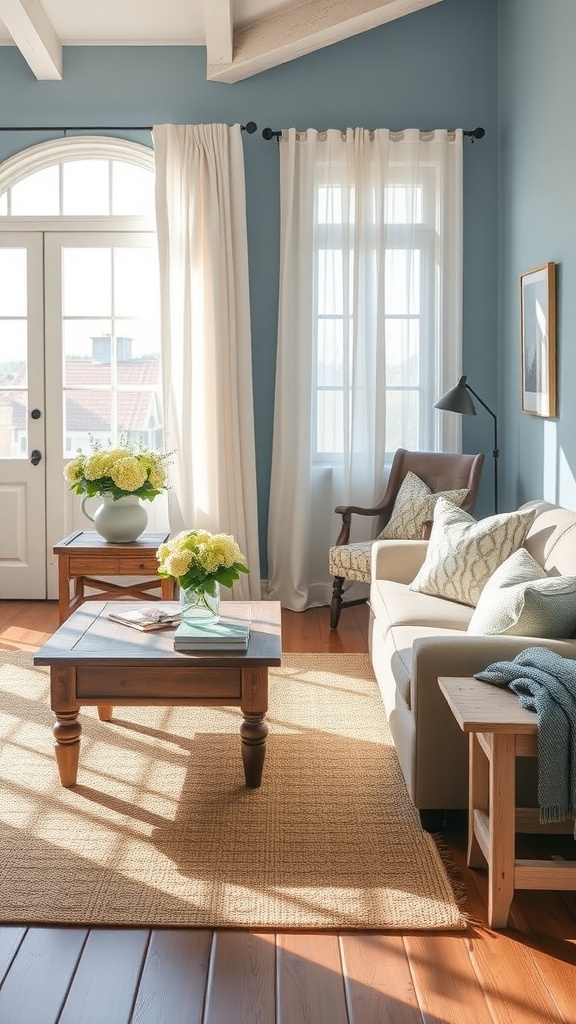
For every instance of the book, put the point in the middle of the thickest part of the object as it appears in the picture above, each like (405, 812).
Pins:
(223, 635)
(148, 617)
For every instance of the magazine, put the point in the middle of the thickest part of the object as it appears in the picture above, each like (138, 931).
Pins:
(148, 617)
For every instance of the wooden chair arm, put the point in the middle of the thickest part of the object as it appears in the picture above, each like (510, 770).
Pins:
(347, 511)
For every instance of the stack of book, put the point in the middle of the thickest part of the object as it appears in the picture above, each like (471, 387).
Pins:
(230, 635)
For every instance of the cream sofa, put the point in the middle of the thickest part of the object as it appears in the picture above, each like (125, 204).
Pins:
(414, 638)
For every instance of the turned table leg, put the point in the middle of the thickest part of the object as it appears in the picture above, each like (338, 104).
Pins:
(254, 730)
(66, 729)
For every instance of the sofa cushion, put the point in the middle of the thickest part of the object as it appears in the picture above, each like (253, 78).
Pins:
(522, 600)
(394, 604)
(464, 552)
(399, 647)
(413, 507)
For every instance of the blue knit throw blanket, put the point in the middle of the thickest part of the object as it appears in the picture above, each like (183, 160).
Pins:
(545, 682)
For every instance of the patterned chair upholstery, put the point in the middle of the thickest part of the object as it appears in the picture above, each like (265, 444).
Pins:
(440, 471)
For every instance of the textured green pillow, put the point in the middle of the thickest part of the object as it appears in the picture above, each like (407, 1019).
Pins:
(520, 599)
(414, 506)
(464, 552)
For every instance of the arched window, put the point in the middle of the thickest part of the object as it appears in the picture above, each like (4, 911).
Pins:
(87, 176)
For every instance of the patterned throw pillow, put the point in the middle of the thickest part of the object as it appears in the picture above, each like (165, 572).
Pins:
(520, 599)
(414, 505)
(464, 552)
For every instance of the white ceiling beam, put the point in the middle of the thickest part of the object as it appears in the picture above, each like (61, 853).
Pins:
(35, 37)
(218, 28)
(303, 29)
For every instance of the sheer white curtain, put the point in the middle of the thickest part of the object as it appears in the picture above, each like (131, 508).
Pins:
(369, 331)
(205, 323)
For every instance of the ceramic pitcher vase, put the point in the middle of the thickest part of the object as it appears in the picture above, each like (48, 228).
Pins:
(119, 521)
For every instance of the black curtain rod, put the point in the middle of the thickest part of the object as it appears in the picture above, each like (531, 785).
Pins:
(476, 133)
(251, 127)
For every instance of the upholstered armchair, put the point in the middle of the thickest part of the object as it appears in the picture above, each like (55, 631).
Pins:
(435, 472)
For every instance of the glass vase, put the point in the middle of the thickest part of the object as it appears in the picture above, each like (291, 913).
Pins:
(198, 605)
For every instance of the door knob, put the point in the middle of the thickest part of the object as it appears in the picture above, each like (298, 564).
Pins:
(35, 414)
(35, 457)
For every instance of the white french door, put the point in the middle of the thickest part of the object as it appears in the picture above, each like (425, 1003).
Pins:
(22, 418)
(84, 348)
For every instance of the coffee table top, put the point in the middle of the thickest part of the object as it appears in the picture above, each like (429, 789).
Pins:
(90, 637)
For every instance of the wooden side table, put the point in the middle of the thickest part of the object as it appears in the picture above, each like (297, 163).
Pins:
(500, 731)
(83, 555)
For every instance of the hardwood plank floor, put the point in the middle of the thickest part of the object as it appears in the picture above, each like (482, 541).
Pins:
(524, 974)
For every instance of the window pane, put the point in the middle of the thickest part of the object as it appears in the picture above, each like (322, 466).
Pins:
(4, 204)
(13, 424)
(132, 190)
(86, 412)
(136, 282)
(402, 281)
(402, 352)
(402, 420)
(404, 204)
(13, 353)
(37, 195)
(330, 353)
(330, 422)
(334, 205)
(139, 341)
(86, 187)
(87, 282)
(87, 352)
(13, 289)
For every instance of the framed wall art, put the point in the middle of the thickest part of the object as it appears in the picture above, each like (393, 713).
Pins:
(538, 339)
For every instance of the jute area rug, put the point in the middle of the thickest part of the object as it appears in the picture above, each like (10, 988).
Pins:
(161, 831)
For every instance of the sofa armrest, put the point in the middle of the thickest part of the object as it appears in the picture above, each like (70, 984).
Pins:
(397, 560)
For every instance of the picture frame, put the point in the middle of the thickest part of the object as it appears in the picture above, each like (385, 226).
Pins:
(538, 340)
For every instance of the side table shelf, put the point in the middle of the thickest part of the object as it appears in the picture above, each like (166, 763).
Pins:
(84, 556)
(500, 730)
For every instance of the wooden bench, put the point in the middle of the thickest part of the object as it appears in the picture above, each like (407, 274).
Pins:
(500, 731)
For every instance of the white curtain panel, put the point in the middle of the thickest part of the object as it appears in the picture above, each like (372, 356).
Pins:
(369, 332)
(206, 345)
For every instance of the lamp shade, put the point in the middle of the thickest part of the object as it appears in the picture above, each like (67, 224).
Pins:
(457, 399)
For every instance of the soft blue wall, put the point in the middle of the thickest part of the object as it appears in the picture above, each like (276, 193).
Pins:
(436, 68)
(538, 224)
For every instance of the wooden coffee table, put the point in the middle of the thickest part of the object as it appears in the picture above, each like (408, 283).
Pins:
(94, 661)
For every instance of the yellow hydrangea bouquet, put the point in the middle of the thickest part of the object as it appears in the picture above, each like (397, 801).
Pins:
(125, 469)
(198, 560)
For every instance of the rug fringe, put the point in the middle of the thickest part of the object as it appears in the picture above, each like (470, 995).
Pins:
(454, 877)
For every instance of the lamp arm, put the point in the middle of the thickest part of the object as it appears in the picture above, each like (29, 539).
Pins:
(495, 452)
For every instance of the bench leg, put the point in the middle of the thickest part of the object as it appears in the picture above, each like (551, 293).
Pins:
(501, 859)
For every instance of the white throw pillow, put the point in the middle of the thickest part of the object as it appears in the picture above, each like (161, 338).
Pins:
(520, 599)
(464, 552)
(414, 506)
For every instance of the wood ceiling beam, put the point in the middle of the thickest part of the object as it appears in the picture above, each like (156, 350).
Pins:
(218, 28)
(35, 37)
(303, 29)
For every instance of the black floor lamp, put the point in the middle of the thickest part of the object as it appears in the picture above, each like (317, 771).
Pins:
(457, 399)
